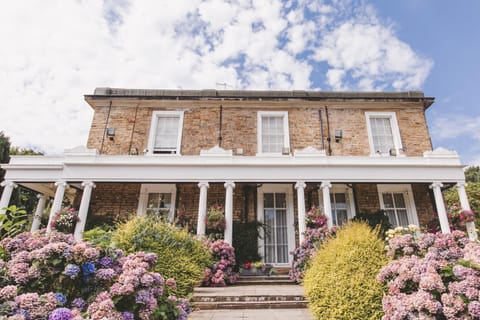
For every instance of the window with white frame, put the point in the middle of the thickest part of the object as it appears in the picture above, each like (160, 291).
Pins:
(157, 200)
(383, 133)
(273, 136)
(342, 203)
(399, 204)
(165, 132)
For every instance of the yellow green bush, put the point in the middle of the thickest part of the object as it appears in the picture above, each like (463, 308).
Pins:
(340, 283)
(180, 255)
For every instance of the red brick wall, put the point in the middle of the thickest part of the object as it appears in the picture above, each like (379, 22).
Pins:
(239, 125)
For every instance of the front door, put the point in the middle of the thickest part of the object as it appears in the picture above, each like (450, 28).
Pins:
(276, 211)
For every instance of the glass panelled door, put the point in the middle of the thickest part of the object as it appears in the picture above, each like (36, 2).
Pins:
(275, 219)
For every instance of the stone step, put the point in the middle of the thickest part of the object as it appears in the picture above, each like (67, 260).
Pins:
(250, 305)
(249, 282)
(249, 298)
(242, 278)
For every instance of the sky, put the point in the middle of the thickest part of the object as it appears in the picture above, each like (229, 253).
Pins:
(53, 52)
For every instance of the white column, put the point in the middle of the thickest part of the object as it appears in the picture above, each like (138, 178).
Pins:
(202, 209)
(83, 211)
(302, 226)
(8, 187)
(37, 217)
(229, 185)
(441, 211)
(57, 202)
(327, 205)
(462, 195)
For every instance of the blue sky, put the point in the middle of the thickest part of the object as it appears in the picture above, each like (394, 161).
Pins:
(55, 52)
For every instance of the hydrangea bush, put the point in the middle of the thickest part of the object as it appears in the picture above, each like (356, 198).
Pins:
(56, 277)
(315, 234)
(432, 276)
(221, 271)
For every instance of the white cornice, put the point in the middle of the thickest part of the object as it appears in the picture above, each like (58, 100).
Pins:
(446, 168)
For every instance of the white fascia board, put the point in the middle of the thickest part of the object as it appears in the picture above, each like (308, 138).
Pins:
(239, 169)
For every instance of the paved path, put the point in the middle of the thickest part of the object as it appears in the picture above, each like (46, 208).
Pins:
(251, 314)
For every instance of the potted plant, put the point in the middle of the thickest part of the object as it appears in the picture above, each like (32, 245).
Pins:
(257, 268)
(65, 220)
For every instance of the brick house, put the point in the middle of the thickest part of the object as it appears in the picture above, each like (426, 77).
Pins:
(263, 155)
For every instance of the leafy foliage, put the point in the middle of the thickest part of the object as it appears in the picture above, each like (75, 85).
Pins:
(374, 219)
(182, 256)
(56, 277)
(13, 222)
(472, 177)
(99, 237)
(340, 283)
(316, 233)
(244, 241)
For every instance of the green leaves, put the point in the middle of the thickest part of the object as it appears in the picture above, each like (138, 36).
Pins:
(13, 222)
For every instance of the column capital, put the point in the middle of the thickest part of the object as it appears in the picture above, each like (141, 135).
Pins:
(61, 183)
(203, 184)
(41, 195)
(461, 184)
(326, 184)
(300, 184)
(90, 184)
(436, 184)
(230, 184)
(8, 183)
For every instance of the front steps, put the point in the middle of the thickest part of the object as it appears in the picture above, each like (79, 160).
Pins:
(252, 292)
(263, 280)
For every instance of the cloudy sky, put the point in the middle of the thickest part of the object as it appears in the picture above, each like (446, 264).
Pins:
(53, 52)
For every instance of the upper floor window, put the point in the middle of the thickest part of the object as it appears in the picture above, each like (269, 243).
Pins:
(273, 132)
(383, 133)
(165, 132)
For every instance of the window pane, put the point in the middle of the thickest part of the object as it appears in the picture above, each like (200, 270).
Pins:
(342, 217)
(166, 136)
(391, 217)
(402, 217)
(280, 200)
(399, 200)
(382, 134)
(387, 200)
(268, 200)
(272, 134)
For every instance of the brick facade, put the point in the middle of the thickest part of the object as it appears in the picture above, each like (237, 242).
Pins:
(201, 127)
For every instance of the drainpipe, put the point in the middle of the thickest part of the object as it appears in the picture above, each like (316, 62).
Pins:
(328, 133)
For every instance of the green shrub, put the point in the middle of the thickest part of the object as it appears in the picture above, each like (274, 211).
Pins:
(244, 241)
(340, 283)
(180, 255)
(99, 237)
(374, 219)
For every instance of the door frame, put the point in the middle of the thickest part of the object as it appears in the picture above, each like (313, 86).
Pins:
(278, 188)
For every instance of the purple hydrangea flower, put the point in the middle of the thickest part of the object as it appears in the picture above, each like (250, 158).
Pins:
(105, 274)
(61, 299)
(72, 271)
(105, 262)
(61, 314)
(127, 315)
(79, 303)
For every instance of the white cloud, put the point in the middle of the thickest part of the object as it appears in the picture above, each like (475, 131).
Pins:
(55, 52)
(456, 126)
(373, 57)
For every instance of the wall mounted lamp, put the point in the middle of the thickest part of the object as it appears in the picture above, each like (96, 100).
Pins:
(338, 135)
